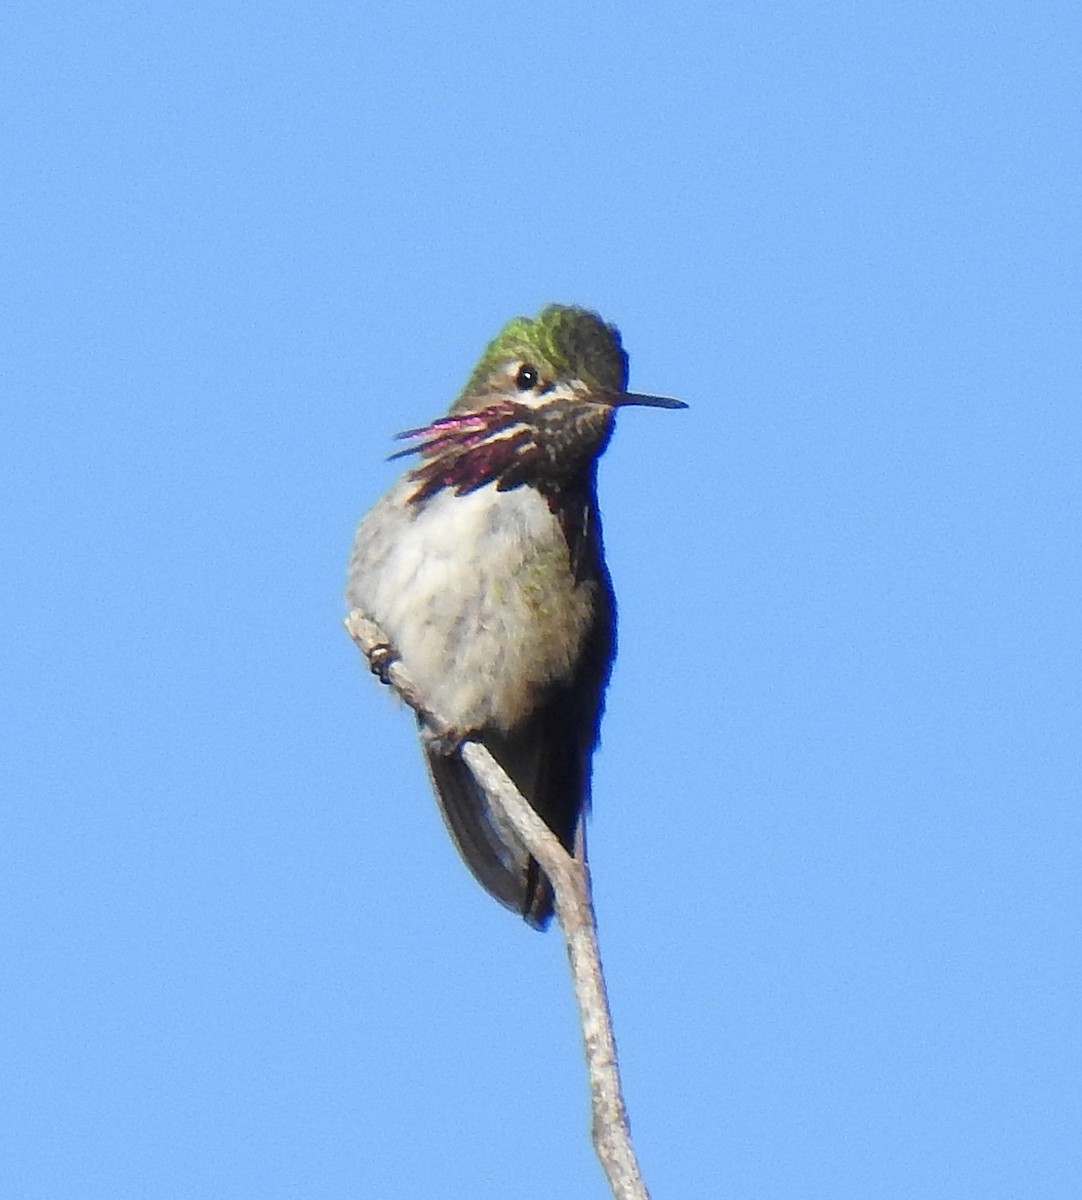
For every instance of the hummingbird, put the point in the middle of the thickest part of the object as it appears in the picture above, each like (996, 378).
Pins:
(484, 566)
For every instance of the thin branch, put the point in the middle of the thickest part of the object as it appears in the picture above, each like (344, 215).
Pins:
(570, 879)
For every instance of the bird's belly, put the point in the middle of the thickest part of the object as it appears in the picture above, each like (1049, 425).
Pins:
(478, 595)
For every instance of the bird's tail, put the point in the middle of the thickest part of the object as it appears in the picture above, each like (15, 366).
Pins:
(490, 848)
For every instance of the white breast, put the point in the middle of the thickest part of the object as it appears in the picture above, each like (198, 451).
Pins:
(478, 596)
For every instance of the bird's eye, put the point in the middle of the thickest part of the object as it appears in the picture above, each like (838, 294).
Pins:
(527, 378)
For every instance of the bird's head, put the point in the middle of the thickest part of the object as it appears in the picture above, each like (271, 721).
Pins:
(538, 408)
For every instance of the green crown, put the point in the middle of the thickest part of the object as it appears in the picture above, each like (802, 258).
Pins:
(563, 342)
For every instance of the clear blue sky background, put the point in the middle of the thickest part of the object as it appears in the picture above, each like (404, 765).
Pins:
(837, 833)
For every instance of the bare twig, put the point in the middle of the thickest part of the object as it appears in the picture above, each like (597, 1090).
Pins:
(570, 879)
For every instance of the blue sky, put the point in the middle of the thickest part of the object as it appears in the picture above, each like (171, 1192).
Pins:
(836, 837)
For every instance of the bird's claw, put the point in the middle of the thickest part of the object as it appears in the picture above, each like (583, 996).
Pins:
(445, 742)
(380, 659)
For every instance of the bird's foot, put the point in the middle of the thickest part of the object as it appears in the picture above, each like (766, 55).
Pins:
(445, 742)
(380, 659)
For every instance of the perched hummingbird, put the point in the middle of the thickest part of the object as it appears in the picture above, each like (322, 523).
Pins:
(484, 566)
